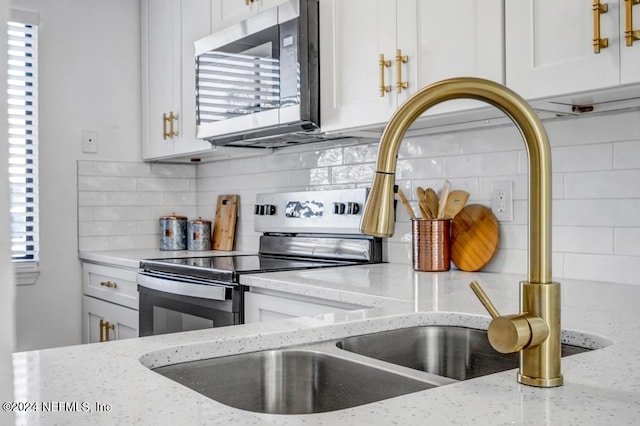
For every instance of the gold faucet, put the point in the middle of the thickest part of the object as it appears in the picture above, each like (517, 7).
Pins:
(535, 332)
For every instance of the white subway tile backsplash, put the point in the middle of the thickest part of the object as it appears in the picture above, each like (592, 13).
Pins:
(627, 241)
(626, 155)
(595, 184)
(99, 183)
(119, 202)
(592, 157)
(602, 185)
(492, 164)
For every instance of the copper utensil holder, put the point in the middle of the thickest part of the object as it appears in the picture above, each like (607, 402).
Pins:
(431, 244)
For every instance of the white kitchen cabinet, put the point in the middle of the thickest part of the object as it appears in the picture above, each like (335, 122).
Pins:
(363, 45)
(550, 47)
(109, 303)
(104, 321)
(262, 305)
(229, 12)
(168, 30)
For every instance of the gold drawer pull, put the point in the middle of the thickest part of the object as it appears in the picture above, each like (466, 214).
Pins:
(383, 64)
(598, 42)
(630, 34)
(400, 59)
(108, 284)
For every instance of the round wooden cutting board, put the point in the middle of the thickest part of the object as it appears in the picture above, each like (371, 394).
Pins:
(474, 237)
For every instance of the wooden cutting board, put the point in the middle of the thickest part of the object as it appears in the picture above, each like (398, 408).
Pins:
(474, 237)
(224, 224)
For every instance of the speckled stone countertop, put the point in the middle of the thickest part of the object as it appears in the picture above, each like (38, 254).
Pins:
(602, 387)
(131, 258)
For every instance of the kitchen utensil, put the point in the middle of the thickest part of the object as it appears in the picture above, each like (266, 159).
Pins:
(173, 232)
(424, 210)
(431, 245)
(432, 202)
(455, 202)
(406, 204)
(474, 237)
(199, 235)
(443, 199)
(224, 226)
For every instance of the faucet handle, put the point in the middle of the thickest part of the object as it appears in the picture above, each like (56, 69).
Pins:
(511, 333)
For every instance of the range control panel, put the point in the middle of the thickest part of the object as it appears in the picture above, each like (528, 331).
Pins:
(333, 211)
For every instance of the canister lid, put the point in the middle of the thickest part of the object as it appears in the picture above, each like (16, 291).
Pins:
(173, 216)
(200, 221)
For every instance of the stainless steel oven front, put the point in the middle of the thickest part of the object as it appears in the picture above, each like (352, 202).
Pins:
(173, 303)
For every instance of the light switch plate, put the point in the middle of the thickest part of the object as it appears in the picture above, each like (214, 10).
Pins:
(90, 141)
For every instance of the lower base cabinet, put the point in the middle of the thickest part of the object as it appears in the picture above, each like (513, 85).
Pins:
(104, 321)
(262, 306)
(109, 303)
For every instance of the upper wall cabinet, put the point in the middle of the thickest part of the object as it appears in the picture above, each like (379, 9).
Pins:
(169, 29)
(229, 12)
(558, 47)
(376, 53)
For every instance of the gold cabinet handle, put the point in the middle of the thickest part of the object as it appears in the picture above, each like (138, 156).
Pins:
(400, 59)
(629, 33)
(109, 284)
(598, 42)
(383, 64)
(105, 326)
(168, 119)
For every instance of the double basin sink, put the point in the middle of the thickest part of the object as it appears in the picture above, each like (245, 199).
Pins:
(345, 373)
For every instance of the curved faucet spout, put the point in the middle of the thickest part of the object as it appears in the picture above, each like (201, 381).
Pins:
(377, 216)
(539, 297)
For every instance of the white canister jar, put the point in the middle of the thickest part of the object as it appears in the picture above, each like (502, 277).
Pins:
(199, 235)
(173, 232)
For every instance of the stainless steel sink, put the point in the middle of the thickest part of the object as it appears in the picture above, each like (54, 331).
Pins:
(357, 370)
(291, 381)
(455, 352)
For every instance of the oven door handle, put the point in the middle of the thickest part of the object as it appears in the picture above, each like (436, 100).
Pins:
(183, 288)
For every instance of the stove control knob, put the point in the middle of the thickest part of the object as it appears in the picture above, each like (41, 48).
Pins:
(269, 209)
(353, 208)
(339, 208)
(259, 210)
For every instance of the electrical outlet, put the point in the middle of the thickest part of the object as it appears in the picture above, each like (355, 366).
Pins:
(502, 200)
(90, 141)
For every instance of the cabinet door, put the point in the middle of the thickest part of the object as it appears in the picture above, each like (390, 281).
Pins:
(549, 47)
(629, 55)
(353, 35)
(271, 307)
(229, 12)
(195, 25)
(107, 321)
(160, 46)
(450, 39)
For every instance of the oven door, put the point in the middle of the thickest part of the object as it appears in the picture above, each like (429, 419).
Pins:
(171, 304)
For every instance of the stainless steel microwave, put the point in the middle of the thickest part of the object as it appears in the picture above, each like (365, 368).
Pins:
(257, 82)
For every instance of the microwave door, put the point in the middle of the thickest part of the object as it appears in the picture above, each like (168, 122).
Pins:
(238, 84)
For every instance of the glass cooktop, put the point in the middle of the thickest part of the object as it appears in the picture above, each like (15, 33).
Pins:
(227, 268)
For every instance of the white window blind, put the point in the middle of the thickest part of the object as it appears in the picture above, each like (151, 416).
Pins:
(22, 98)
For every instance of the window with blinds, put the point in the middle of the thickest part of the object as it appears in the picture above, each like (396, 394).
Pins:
(23, 139)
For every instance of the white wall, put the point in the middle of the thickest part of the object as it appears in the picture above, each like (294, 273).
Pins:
(7, 286)
(89, 80)
(596, 188)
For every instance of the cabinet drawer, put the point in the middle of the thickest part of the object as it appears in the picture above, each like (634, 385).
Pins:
(116, 285)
